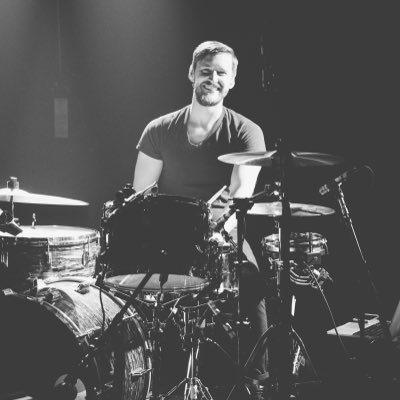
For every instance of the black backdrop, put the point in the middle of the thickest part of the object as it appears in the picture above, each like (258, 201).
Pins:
(121, 63)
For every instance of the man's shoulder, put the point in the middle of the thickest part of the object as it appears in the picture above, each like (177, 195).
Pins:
(169, 120)
(239, 119)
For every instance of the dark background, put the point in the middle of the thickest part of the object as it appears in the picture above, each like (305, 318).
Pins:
(333, 74)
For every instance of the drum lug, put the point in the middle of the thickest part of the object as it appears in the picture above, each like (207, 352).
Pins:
(49, 295)
(138, 373)
(7, 292)
(83, 287)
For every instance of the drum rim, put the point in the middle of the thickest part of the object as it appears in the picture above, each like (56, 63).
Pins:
(183, 199)
(82, 234)
(172, 290)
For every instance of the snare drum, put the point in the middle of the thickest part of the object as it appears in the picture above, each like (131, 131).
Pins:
(165, 234)
(44, 338)
(304, 246)
(50, 251)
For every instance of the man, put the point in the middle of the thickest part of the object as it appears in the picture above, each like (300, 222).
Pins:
(180, 150)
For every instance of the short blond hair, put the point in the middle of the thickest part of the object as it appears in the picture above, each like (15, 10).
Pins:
(212, 48)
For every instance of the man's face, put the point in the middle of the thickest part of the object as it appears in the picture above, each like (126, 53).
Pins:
(213, 78)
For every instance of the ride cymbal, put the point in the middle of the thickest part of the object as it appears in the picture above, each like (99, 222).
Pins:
(24, 197)
(274, 209)
(273, 159)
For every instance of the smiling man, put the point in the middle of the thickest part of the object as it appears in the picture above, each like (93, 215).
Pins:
(180, 152)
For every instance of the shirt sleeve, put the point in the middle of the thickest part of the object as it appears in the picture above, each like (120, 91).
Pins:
(252, 137)
(149, 142)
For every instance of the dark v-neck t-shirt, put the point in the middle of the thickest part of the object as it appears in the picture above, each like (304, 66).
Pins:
(195, 171)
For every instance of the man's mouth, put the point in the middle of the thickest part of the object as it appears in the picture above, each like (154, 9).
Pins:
(211, 88)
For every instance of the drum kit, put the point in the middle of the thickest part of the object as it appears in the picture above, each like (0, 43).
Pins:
(87, 309)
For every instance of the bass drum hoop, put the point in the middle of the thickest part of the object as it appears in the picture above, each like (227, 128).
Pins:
(80, 339)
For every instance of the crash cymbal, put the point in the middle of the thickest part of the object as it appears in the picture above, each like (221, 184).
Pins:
(272, 159)
(274, 209)
(24, 197)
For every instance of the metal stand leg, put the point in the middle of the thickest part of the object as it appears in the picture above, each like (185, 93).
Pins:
(194, 387)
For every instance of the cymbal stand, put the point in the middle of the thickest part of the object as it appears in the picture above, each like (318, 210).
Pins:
(283, 330)
(284, 374)
(7, 221)
(338, 194)
(240, 206)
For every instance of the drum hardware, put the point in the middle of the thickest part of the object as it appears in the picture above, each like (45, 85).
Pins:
(122, 369)
(284, 160)
(128, 195)
(192, 336)
(9, 224)
(335, 187)
(101, 341)
(13, 194)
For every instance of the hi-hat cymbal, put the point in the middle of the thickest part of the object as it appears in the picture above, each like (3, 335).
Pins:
(274, 209)
(24, 197)
(273, 159)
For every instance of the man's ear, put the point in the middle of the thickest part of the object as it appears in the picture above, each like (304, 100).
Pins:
(232, 83)
(191, 74)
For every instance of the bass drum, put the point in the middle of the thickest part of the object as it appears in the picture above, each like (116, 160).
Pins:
(44, 338)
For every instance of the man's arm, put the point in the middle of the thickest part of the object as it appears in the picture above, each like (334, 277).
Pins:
(243, 180)
(243, 183)
(147, 171)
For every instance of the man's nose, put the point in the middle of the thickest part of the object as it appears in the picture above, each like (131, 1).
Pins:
(214, 76)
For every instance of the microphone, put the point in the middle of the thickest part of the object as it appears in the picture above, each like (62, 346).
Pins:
(343, 177)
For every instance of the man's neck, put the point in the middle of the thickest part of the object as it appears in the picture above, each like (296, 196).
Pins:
(202, 116)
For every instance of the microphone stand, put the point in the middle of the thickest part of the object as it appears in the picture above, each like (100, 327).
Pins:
(338, 193)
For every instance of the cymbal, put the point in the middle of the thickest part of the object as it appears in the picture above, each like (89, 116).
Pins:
(274, 209)
(24, 197)
(272, 159)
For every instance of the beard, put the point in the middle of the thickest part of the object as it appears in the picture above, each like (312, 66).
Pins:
(209, 99)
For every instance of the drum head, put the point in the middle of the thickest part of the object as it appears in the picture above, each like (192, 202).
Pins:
(35, 347)
(54, 234)
(174, 283)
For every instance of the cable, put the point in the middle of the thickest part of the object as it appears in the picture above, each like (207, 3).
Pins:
(329, 310)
